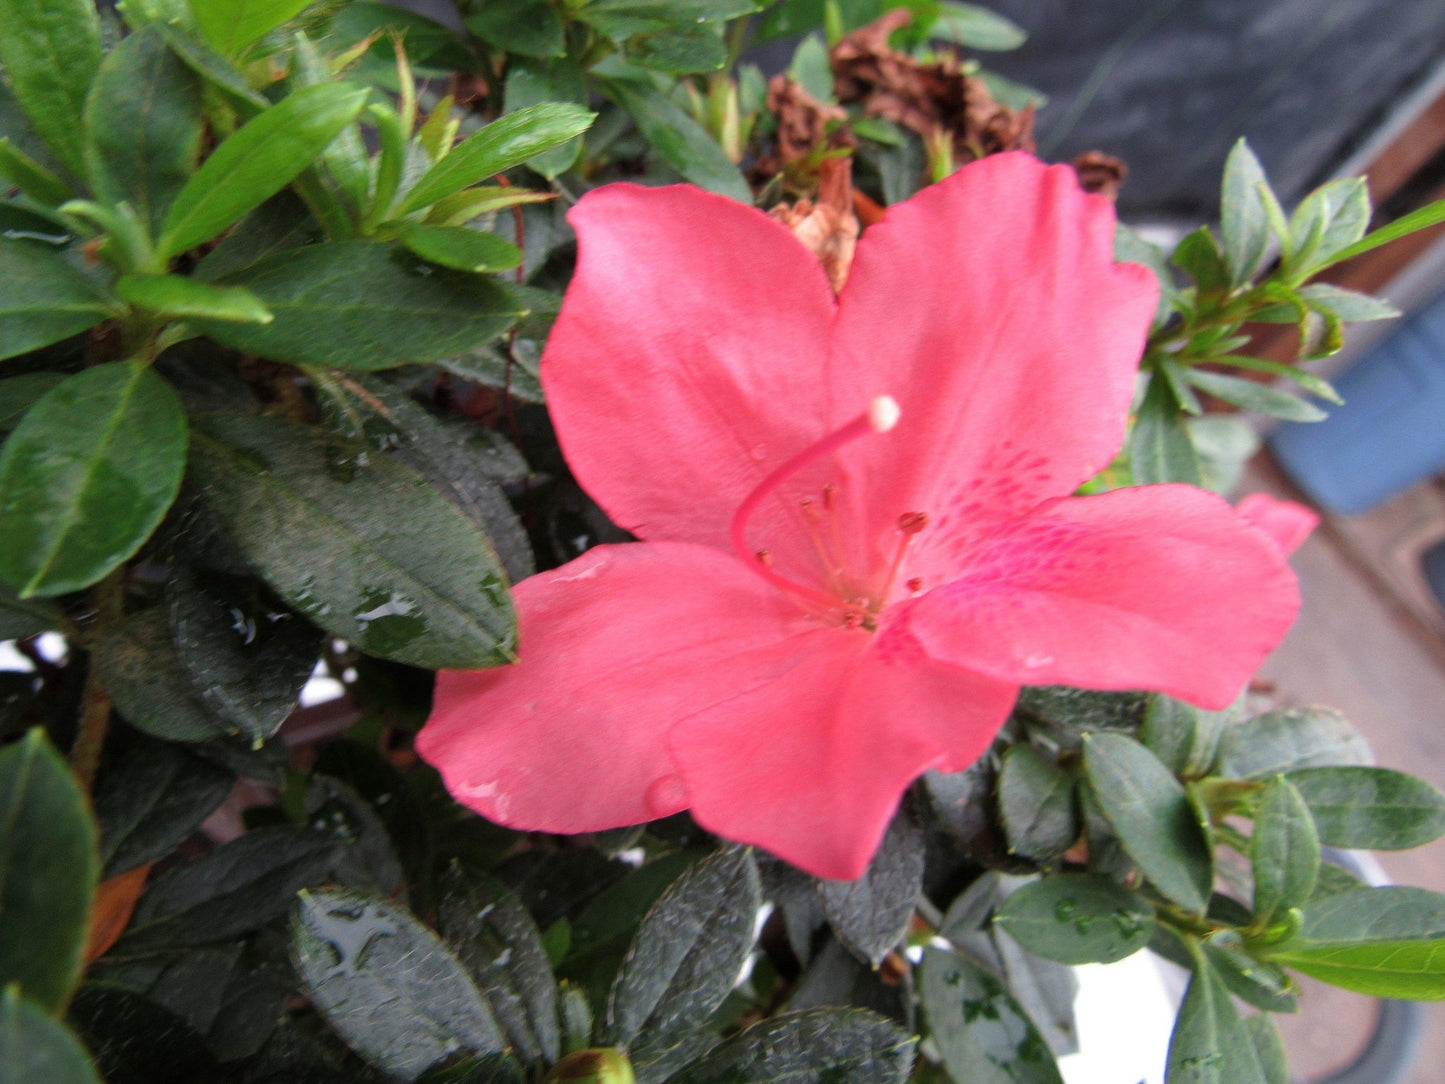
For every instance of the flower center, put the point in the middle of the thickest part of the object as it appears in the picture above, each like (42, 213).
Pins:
(844, 599)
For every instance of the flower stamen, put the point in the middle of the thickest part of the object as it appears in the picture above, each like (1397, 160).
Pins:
(909, 524)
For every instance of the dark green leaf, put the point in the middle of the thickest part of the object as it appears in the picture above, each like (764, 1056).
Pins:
(19, 393)
(687, 952)
(367, 859)
(1243, 223)
(1209, 1044)
(1268, 1048)
(871, 914)
(620, 19)
(143, 126)
(1065, 714)
(1283, 741)
(1371, 808)
(460, 248)
(1197, 255)
(532, 82)
(429, 44)
(1037, 805)
(246, 655)
(387, 985)
(28, 175)
(230, 26)
(281, 224)
(981, 1033)
(19, 619)
(1078, 918)
(232, 890)
(262, 157)
(497, 941)
(86, 477)
(697, 47)
(34, 1046)
(976, 28)
(1265, 985)
(130, 1036)
(522, 27)
(818, 1046)
(1183, 737)
(289, 493)
(48, 870)
(151, 798)
(1285, 849)
(1252, 395)
(50, 51)
(678, 139)
(1160, 449)
(43, 299)
(363, 305)
(1149, 810)
(507, 142)
(1386, 942)
(179, 297)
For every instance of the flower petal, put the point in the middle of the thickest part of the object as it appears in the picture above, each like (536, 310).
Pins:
(615, 647)
(989, 305)
(1288, 523)
(686, 362)
(1160, 587)
(812, 768)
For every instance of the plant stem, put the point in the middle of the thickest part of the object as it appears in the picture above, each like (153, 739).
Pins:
(95, 704)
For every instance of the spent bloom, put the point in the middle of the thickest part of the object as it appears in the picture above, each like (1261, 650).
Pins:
(859, 538)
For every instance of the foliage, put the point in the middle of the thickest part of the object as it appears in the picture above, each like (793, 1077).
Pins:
(274, 280)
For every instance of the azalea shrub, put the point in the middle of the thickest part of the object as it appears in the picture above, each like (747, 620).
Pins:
(765, 536)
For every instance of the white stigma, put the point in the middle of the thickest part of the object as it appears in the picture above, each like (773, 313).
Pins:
(883, 413)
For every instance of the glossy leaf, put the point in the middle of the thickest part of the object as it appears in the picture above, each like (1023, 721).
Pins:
(387, 985)
(363, 305)
(43, 299)
(678, 139)
(1371, 808)
(50, 50)
(230, 26)
(180, 297)
(289, 492)
(812, 1047)
(34, 1046)
(523, 28)
(1386, 942)
(1243, 223)
(1152, 816)
(262, 157)
(48, 871)
(982, 1034)
(871, 914)
(1284, 850)
(1209, 1044)
(1284, 741)
(532, 82)
(688, 951)
(460, 248)
(506, 142)
(1037, 804)
(143, 126)
(86, 477)
(1077, 918)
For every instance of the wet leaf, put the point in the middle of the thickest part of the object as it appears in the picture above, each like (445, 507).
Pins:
(1370, 808)
(34, 1046)
(367, 858)
(870, 914)
(1209, 1044)
(1077, 918)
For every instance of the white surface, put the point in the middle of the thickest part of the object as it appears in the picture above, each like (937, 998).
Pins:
(1124, 1013)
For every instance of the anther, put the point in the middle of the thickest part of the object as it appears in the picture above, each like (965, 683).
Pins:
(914, 585)
(912, 522)
(765, 557)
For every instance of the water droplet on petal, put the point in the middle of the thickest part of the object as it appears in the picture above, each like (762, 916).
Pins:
(666, 796)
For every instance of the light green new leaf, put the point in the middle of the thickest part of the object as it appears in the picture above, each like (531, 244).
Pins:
(28, 175)
(976, 27)
(460, 248)
(43, 299)
(261, 158)
(507, 142)
(1348, 305)
(50, 50)
(230, 26)
(181, 297)
(86, 477)
(1243, 222)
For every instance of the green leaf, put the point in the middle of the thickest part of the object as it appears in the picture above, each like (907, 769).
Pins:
(1265, 985)
(976, 28)
(28, 175)
(498, 943)
(687, 952)
(363, 305)
(19, 619)
(533, 82)
(48, 869)
(151, 798)
(1386, 942)
(678, 139)
(871, 914)
(143, 126)
(1077, 918)
(1284, 851)
(289, 492)
(507, 142)
(1307, 380)
(1284, 741)
(232, 890)
(817, 1046)
(1197, 255)
(1131, 247)
(260, 158)
(1209, 1044)
(230, 26)
(1160, 449)
(982, 1034)
(1183, 737)
(387, 985)
(19, 393)
(621, 19)
(1243, 222)
(86, 477)
(1037, 804)
(1268, 1048)
(461, 248)
(180, 297)
(1371, 808)
(1152, 816)
(1252, 395)
(34, 1046)
(1329, 219)
(521, 27)
(698, 47)
(1348, 305)
(43, 299)
(50, 50)
(1427, 216)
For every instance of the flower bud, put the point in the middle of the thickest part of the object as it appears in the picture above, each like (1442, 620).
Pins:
(600, 1065)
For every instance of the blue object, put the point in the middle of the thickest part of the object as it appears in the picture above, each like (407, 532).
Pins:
(1389, 434)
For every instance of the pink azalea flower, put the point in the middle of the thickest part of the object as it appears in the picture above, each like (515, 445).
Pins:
(859, 535)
